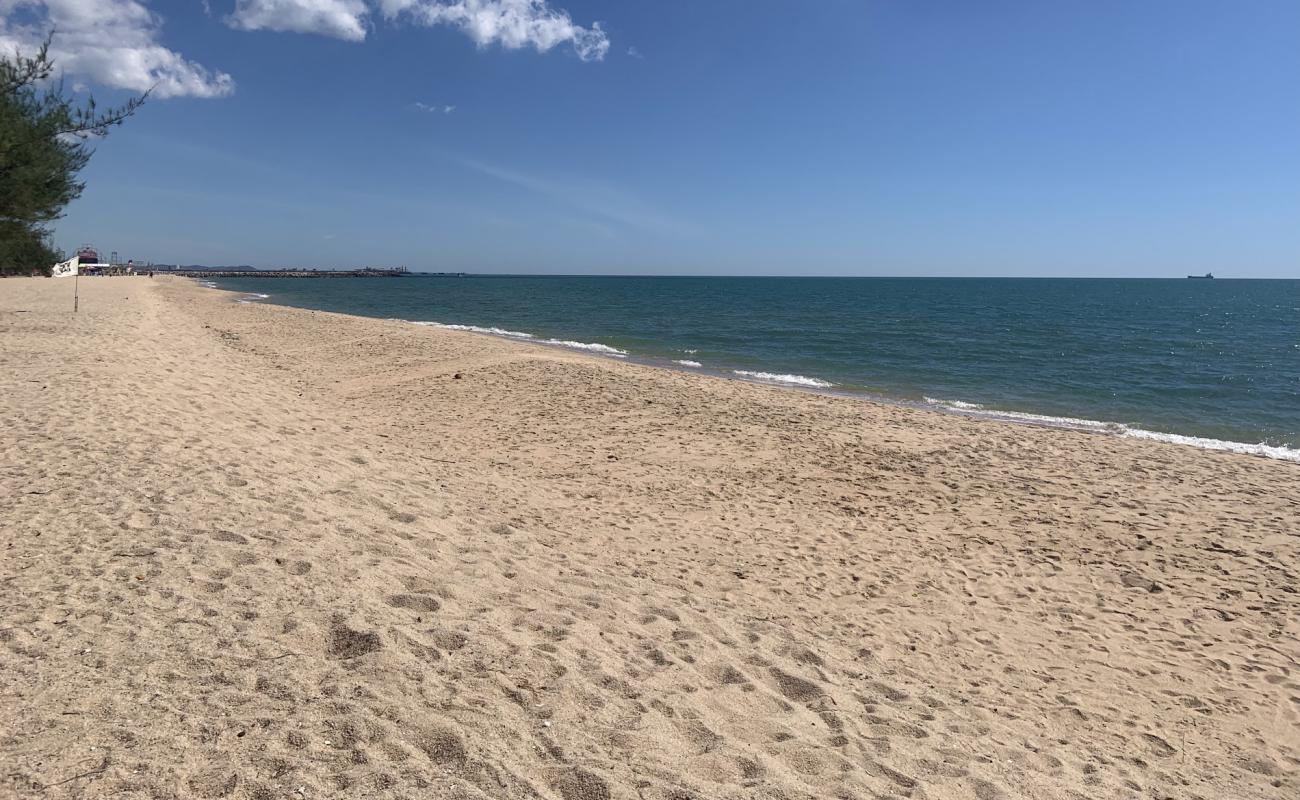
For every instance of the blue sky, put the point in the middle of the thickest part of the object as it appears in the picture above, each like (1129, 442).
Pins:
(900, 137)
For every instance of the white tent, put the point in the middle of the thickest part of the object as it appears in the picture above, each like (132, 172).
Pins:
(65, 269)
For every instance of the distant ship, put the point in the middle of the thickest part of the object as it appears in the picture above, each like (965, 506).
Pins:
(87, 254)
(1205, 277)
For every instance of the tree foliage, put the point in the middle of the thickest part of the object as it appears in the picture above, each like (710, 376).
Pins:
(45, 140)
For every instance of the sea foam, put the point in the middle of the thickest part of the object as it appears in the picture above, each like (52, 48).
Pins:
(1261, 449)
(789, 380)
(592, 347)
(1118, 429)
(686, 362)
(961, 404)
(477, 329)
(595, 347)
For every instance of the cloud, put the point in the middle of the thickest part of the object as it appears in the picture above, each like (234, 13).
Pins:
(110, 42)
(432, 109)
(342, 19)
(597, 198)
(635, 53)
(513, 24)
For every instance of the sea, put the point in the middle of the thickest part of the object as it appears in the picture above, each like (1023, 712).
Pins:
(1211, 363)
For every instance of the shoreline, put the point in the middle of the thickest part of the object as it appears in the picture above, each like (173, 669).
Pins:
(959, 408)
(262, 551)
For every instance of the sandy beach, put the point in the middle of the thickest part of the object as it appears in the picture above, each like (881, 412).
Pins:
(262, 552)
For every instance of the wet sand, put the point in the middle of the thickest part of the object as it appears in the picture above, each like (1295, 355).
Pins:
(253, 551)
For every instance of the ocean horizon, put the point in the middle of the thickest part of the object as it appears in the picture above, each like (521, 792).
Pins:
(1214, 364)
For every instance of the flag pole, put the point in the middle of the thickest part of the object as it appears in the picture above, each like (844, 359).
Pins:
(76, 287)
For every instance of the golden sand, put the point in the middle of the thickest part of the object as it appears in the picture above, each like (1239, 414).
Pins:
(260, 552)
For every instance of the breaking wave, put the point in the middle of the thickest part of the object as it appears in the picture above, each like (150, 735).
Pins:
(477, 329)
(1118, 429)
(595, 347)
(789, 380)
(591, 347)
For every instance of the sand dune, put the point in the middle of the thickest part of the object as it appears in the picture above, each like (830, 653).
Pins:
(258, 552)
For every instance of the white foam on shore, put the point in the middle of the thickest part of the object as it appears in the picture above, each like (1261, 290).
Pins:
(954, 404)
(686, 362)
(594, 347)
(476, 329)
(253, 296)
(789, 380)
(1265, 450)
(1119, 429)
(591, 347)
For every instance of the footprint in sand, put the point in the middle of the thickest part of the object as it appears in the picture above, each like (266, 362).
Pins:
(345, 642)
(414, 602)
(576, 783)
(795, 688)
(442, 745)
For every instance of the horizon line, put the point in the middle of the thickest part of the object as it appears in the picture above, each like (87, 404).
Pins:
(831, 276)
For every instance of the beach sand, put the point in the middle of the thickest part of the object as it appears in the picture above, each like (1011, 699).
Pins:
(260, 552)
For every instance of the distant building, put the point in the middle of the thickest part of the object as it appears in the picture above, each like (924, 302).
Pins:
(88, 256)
(90, 263)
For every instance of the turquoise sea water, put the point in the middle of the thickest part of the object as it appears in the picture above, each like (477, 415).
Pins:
(1216, 360)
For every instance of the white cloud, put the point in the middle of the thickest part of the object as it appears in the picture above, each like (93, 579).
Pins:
(109, 42)
(635, 53)
(342, 19)
(513, 24)
(432, 109)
